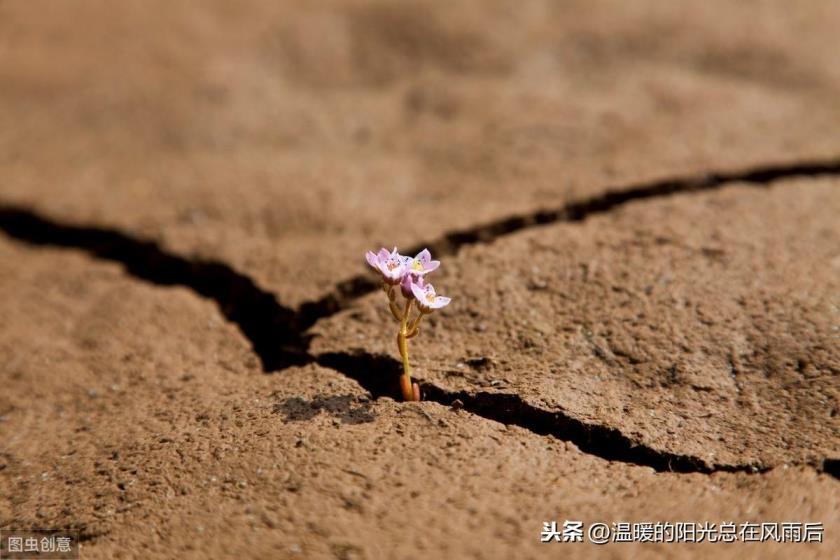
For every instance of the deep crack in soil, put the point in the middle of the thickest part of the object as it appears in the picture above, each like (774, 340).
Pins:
(761, 176)
(279, 336)
(273, 329)
(605, 442)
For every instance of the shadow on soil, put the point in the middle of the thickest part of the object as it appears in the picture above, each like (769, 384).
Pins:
(378, 374)
(278, 334)
(349, 409)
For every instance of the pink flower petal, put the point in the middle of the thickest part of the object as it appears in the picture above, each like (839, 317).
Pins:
(418, 292)
(431, 265)
(406, 284)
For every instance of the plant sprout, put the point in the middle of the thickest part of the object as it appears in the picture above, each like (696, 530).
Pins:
(407, 273)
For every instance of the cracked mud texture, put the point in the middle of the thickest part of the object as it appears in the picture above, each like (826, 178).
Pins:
(267, 134)
(186, 190)
(703, 324)
(184, 448)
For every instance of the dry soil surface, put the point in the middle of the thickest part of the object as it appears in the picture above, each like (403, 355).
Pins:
(636, 205)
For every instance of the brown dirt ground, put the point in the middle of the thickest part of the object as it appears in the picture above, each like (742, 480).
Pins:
(186, 193)
(704, 325)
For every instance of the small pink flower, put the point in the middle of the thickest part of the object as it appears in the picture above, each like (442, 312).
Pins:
(408, 281)
(421, 264)
(392, 266)
(408, 272)
(427, 299)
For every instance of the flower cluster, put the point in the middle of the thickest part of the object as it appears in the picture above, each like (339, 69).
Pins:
(409, 273)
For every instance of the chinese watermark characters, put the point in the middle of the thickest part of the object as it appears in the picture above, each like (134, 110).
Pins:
(681, 532)
(20, 544)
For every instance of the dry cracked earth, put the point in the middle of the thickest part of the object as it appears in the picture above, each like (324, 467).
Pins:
(636, 204)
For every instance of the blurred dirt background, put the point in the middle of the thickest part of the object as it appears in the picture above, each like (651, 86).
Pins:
(637, 206)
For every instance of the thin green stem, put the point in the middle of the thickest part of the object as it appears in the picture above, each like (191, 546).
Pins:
(402, 342)
(395, 309)
(414, 329)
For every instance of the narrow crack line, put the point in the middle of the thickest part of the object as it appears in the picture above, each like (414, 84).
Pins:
(451, 243)
(279, 335)
(378, 374)
(272, 329)
(831, 466)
